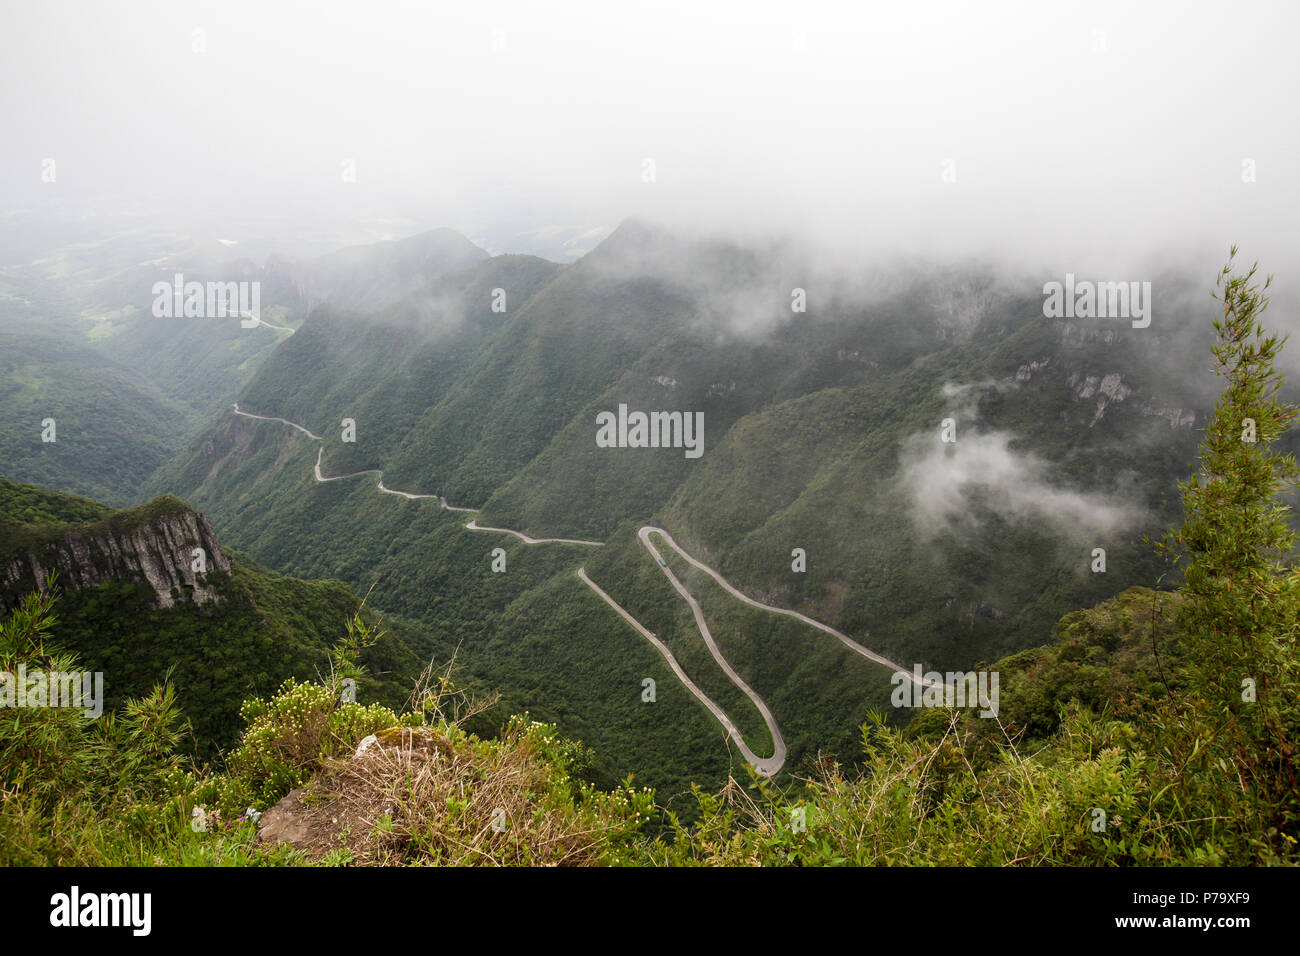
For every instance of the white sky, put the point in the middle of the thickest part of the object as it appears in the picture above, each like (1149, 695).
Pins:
(826, 119)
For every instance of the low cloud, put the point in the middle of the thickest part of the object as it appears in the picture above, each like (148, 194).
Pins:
(946, 480)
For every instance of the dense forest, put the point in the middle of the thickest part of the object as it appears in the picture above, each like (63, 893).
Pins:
(1155, 727)
(819, 428)
(259, 628)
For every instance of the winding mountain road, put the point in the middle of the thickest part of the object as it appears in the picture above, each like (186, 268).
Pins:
(261, 321)
(774, 763)
(764, 766)
(475, 526)
(285, 421)
(471, 525)
(850, 643)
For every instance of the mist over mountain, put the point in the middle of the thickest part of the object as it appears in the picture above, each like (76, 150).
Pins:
(532, 435)
(822, 431)
(824, 390)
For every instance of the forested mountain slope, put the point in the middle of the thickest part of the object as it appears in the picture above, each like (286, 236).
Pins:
(80, 343)
(823, 431)
(134, 608)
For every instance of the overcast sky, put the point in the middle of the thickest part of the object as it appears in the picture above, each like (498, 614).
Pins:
(1061, 131)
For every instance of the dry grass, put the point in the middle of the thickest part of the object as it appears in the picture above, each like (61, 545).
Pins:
(429, 796)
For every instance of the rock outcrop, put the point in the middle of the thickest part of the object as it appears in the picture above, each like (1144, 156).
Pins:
(1107, 389)
(159, 553)
(1077, 336)
(1177, 417)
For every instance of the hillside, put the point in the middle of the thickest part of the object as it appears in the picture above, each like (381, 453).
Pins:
(1151, 728)
(80, 343)
(112, 428)
(821, 432)
(133, 607)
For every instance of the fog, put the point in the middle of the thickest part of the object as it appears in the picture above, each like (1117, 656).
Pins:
(1054, 136)
(940, 479)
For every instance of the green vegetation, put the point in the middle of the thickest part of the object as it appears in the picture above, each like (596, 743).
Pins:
(117, 792)
(113, 428)
(1239, 713)
(16, 537)
(809, 419)
(781, 657)
(27, 504)
(260, 628)
(1156, 727)
(1162, 749)
(125, 386)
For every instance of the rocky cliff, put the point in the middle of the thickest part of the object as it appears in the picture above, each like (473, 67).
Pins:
(170, 549)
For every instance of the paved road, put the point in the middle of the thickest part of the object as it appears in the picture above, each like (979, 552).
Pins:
(644, 535)
(475, 526)
(765, 766)
(261, 321)
(777, 760)
(472, 526)
(285, 421)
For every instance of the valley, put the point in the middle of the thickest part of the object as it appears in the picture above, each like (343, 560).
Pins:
(815, 440)
(490, 413)
(551, 435)
(910, 478)
(768, 766)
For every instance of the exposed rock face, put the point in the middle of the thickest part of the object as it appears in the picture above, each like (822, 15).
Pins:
(1177, 417)
(1107, 388)
(1026, 372)
(1077, 336)
(160, 553)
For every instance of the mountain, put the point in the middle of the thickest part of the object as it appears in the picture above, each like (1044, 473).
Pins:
(134, 606)
(373, 274)
(111, 427)
(919, 471)
(163, 547)
(201, 364)
(80, 343)
(823, 431)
